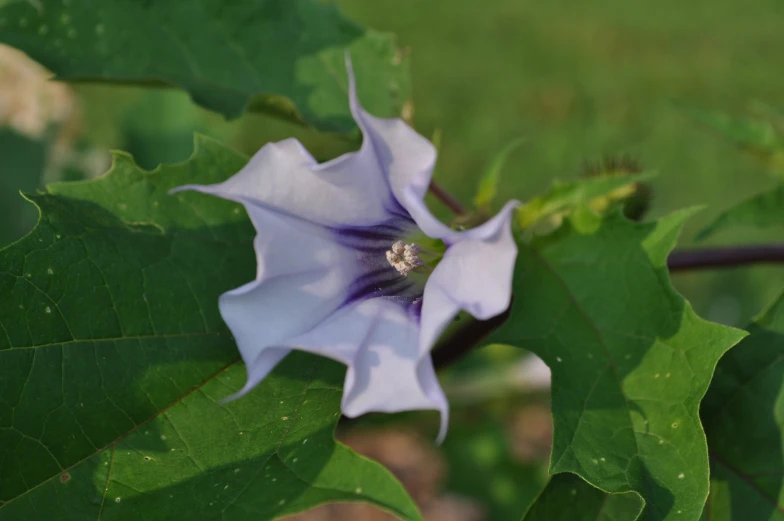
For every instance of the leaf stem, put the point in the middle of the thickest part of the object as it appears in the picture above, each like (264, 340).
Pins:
(445, 198)
(725, 257)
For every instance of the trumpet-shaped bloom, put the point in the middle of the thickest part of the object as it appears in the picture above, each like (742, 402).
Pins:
(337, 276)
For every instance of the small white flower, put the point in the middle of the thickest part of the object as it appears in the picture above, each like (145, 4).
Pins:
(336, 277)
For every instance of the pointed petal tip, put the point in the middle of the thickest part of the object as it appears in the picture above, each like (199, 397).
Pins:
(347, 59)
(443, 428)
(496, 223)
(236, 396)
(510, 206)
(207, 189)
(179, 189)
(353, 99)
(254, 379)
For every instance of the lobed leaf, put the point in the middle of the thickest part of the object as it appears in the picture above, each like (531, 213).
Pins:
(282, 57)
(630, 359)
(743, 414)
(113, 358)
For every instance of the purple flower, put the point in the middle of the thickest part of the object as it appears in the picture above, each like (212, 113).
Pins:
(339, 276)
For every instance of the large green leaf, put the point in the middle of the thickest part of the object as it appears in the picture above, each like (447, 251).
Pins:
(283, 57)
(762, 211)
(743, 414)
(630, 359)
(22, 168)
(113, 357)
(568, 498)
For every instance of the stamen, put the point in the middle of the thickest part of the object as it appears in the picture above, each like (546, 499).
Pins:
(393, 257)
(404, 257)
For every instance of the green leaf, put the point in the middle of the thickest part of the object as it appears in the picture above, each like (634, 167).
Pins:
(630, 359)
(569, 498)
(761, 138)
(113, 358)
(743, 414)
(488, 182)
(21, 169)
(283, 57)
(762, 210)
(565, 196)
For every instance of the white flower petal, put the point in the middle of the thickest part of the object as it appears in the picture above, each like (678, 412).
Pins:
(477, 271)
(303, 276)
(475, 275)
(301, 297)
(438, 310)
(297, 302)
(348, 191)
(406, 159)
(378, 340)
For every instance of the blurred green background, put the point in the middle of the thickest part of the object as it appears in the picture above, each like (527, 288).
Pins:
(578, 80)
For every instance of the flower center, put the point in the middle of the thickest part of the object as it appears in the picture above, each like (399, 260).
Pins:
(396, 244)
(405, 257)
